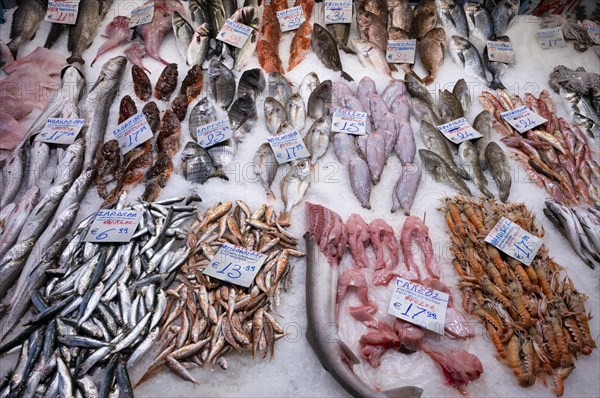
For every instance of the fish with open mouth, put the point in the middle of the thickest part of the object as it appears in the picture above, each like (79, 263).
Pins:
(325, 47)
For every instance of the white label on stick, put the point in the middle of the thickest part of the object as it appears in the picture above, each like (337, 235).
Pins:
(234, 33)
(141, 15)
(459, 130)
(338, 11)
(114, 226)
(593, 30)
(401, 51)
(523, 119)
(62, 11)
(60, 131)
(419, 305)
(291, 19)
(132, 132)
(500, 51)
(349, 121)
(213, 133)
(551, 38)
(235, 264)
(514, 241)
(288, 147)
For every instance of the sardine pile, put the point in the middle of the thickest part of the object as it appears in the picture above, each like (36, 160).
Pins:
(533, 314)
(555, 155)
(207, 318)
(100, 308)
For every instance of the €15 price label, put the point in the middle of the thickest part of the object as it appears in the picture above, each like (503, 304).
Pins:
(419, 305)
(401, 51)
(234, 33)
(551, 38)
(60, 131)
(132, 132)
(514, 241)
(349, 121)
(141, 15)
(523, 119)
(213, 133)
(113, 226)
(235, 264)
(288, 147)
(338, 11)
(500, 51)
(459, 130)
(291, 19)
(62, 11)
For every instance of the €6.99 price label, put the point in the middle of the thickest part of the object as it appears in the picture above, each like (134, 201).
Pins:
(141, 15)
(338, 11)
(234, 33)
(235, 264)
(291, 19)
(459, 130)
(213, 133)
(113, 226)
(288, 147)
(60, 131)
(401, 51)
(514, 241)
(349, 121)
(62, 11)
(133, 132)
(419, 305)
(523, 119)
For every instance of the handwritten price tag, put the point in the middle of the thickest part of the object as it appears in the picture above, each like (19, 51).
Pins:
(514, 241)
(235, 264)
(291, 19)
(60, 131)
(459, 130)
(593, 30)
(551, 38)
(523, 119)
(500, 51)
(401, 51)
(338, 11)
(288, 147)
(213, 133)
(141, 15)
(419, 305)
(234, 33)
(132, 132)
(349, 121)
(114, 226)
(62, 11)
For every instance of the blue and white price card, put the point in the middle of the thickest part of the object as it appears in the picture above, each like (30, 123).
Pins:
(523, 119)
(291, 19)
(338, 11)
(62, 11)
(459, 130)
(132, 132)
(213, 133)
(60, 131)
(593, 30)
(349, 121)
(234, 33)
(419, 305)
(401, 51)
(288, 147)
(500, 51)
(113, 226)
(141, 15)
(514, 241)
(551, 38)
(235, 264)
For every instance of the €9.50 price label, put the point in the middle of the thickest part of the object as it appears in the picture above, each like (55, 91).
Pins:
(62, 11)
(60, 131)
(288, 147)
(213, 133)
(113, 226)
(551, 38)
(141, 15)
(338, 11)
(291, 19)
(500, 51)
(235, 264)
(523, 119)
(514, 241)
(401, 51)
(349, 121)
(459, 130)
(234, 33)
(133, 132)
(419, 305)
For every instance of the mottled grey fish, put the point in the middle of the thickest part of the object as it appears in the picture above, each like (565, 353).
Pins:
(461, 91)
(82, 34)
(437, 143)
(441, 172)
(449, 106)
(25, 23)
(470, 161)
(197, 165)
(484, 124)
(221, 83)
(325, 47)
(498, 164)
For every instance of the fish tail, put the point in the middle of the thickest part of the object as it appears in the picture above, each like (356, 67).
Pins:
(347, 76)
(428, 80)
(220, 173)
(497, 84)
(75, 59)
(345, 48)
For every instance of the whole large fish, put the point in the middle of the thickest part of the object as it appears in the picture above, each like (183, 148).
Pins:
(498, 164)
(504, 14)
(222, 155)
(496, 68)
(265, 168)
(437, 143)
(470, 160)
(26, 20)
(325, 47)
(453, 17)
(82, 34)
(372, 28)
(449, 106)
(154, 32)
(293, 188)
(300, 45)
(406, 188)
(424, 18)
(479, 19)
(360, 181)
(431, 52)
(94, 107)
(441, 172)
(198, 48)
(466, 55)
(462, 93)
(203, 113)
(221, 83)
(371, 56)
(196, 163)
(418, 90)
(400, 14)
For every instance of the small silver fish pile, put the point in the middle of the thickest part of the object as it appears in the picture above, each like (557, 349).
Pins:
(207, 318)
(580, 226)
(100, 307)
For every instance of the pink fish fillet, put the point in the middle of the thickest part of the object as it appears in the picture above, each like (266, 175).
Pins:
(154, 32)
(386, 251)
(459, 367)
(354, 277)
(31, 84)
(11, 132)
(6, 56)
(375, 343)
(49, 61)
(328, 229)
(14, 106)
(414, 229)
(134, 53)
(358, 239)
(456, 324)
(117, 32)
(411, 336)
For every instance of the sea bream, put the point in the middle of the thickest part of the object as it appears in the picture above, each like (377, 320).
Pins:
(265, 168)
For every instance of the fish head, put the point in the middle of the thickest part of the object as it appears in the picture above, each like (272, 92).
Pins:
(395, 33)
(113, 69)
(324, 89)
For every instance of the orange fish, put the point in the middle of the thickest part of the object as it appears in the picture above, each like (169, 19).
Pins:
(300, 44)
(268, 57)
(271, 31)
(307, 7)
(279, 5)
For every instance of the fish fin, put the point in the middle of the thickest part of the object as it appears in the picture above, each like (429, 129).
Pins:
(219, 173)
(346, 49)
(497, 84)
(403, 392)
(393, 68)
(428, 80)
(347, 76)
(350, 356)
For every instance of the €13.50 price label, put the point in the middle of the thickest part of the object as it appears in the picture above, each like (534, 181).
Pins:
(60, 131)
(141, 15)
(459, 130)
(349, 121)
(114, 226)
(234, 33)
(513, 240)
(523, 119)
(288, 147)
(62, 11)
(213, 133)
(133, 132)
(235, 264)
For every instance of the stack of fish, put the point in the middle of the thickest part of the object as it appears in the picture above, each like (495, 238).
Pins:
(206, 318)
(99, 307)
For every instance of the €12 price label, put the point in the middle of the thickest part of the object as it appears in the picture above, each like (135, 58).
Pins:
(500, 51)
(213, 133)
(291, 19)
(62, 11)
(132, 132)
(514, 241)
(338, 11)
(141, 15)
(288, 147)
(113, 226)
(60, 131)
(235, 264)
(593, 30)
(349, 121)
(234, 33)
(523, 119)
(419, 305)
(551, 38)
(401, 51)
(459, 130)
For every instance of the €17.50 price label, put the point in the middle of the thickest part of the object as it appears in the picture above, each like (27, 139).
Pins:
(349, 121)
(401, 51)
(551, 38)
(459, 130)
(235, 264)
(338, 11)
(213, 133)
(133, 132)
(514, 241)
(141, 15)
(288, 147)
(62, 11)
(291, 18)
(114, 226)
(234, 33)
(60, 131)
(523, 119)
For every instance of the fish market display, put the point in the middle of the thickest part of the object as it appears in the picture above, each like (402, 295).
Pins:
(534, 315)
